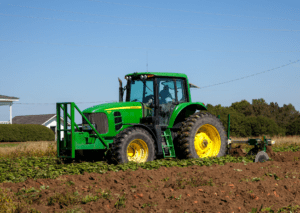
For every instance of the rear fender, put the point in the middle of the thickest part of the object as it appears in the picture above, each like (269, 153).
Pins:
(183, 111)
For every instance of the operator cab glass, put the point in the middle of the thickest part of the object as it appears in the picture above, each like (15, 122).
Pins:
(181, 93)
(169, 98)
(141, 91)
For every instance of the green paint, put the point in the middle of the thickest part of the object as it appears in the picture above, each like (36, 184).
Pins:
(189, 108)
(159, 74)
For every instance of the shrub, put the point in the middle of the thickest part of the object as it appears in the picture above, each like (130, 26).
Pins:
(260, 125)
(25, 132)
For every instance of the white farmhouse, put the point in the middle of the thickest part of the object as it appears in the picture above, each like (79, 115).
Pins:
(7, 101)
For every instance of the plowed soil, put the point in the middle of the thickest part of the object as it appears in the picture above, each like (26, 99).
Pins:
(234, 187)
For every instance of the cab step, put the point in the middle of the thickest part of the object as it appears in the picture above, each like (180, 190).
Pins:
(168, 148)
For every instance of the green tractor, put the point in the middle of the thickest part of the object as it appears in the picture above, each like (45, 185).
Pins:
(156, 120)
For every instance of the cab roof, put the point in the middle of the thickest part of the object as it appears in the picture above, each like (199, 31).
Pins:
(161, 74)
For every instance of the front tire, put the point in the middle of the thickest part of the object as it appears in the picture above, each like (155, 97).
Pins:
(133, 144)
(202, 135)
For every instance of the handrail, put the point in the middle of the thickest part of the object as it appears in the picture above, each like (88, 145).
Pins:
(70, 117)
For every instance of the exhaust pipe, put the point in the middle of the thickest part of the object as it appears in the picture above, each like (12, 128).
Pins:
(120, 90)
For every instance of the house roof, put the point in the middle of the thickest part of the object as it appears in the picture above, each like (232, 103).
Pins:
(32, 119)
(7, 97)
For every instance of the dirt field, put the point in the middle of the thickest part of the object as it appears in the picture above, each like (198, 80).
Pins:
(234, 187)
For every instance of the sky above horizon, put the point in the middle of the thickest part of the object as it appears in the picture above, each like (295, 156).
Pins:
(63, 51)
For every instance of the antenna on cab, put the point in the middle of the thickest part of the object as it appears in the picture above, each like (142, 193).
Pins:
(147, 61)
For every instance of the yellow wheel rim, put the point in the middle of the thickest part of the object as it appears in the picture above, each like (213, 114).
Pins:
(137, 151)
(207, 141)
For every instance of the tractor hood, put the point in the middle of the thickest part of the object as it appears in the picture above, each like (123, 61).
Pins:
(116, 106)
(111, 118)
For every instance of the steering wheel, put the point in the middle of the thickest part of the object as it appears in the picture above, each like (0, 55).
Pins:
(148, 98)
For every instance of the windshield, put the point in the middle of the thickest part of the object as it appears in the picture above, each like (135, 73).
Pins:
(141, 91)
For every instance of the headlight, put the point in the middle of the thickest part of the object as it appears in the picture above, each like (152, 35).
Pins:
(87, 126)
(129, 77)
(126, 77)
(141, 77)
(270, 142)
(145, 76)
(229, 141)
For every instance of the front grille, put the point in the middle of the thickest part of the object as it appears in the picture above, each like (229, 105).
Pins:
(100, 119)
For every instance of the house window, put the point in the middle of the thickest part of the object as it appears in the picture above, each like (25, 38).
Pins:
(53, 128)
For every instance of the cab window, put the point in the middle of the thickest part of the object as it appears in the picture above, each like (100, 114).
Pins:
(141, 91)
(181, 93)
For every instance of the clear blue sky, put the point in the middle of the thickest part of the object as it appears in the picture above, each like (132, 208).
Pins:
(63, 50)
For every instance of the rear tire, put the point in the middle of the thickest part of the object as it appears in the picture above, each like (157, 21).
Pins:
(202, 135)
(133, 144)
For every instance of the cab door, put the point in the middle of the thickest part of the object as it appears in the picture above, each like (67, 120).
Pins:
(171, 92)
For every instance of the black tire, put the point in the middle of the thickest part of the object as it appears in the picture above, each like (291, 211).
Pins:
(187, 134)
(132, 135)
(261, 157)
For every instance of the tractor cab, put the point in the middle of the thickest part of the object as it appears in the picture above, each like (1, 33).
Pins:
(158, 92)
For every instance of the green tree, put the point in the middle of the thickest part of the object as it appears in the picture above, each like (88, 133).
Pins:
(260, 107)
(258, 118)
(243, 107)
(294, 127)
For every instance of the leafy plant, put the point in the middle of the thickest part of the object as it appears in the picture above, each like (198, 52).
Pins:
(70, 183)
(148, 204)
(89, 198)
(121, 202)
(165, 179)
(255, 179)
(194, 182)
(105, 194)
(65, 199)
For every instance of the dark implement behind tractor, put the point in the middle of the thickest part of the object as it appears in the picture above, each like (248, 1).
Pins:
(157, 119)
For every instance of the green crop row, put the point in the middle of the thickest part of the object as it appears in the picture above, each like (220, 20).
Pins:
(286, 148)
(19, 169)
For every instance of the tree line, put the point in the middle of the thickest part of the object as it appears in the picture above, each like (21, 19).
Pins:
(258, 118)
